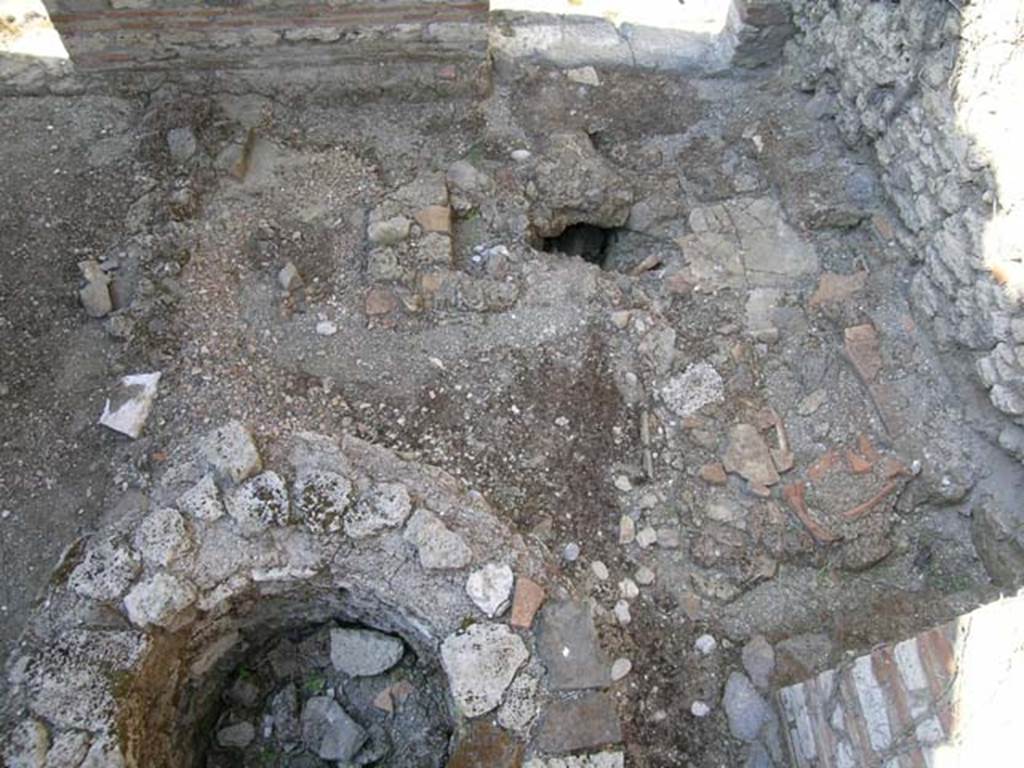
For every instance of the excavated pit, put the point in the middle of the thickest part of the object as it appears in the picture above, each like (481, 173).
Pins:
(622, 387)
(259, 703)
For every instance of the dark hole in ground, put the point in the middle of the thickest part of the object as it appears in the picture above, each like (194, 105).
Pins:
(587, 241)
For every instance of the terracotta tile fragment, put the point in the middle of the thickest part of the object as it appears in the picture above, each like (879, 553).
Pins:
(866, 449)
(435, 218)
(862, 509)
(380, 301)
(833, 288)
(862, 347)
(713, 473)
(527, 600)
(783, 460)
(794, 494)
(858, 464)
(821, 467)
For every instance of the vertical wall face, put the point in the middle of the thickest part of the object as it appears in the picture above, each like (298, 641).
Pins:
(935, 89)
(260, 34)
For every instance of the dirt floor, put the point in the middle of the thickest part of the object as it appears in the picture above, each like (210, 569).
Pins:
(743, 381)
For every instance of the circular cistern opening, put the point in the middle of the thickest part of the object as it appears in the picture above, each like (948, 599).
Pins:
(294, 683)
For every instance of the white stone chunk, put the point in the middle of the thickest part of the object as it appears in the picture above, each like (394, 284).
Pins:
(162, 537)
(126, 412)
(699, 385)
(202, 501)
(231, 452)
(260, 502)
(481, 662)
(321, 499)
(385, 505)
(158, 600)
(438, 547)
(519, 706)
(364, 652)
(105, 573)
(490, 588)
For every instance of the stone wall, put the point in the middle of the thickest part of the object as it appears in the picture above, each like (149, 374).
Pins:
(232, 34)
(935, 88)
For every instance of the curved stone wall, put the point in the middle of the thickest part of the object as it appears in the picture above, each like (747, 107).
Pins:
(127, 661)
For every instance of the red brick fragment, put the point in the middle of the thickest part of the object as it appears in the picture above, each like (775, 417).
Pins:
(713, 473)
(794, 494)
(527, 600)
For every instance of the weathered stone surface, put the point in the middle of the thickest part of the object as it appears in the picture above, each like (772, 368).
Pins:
(598, 760)
(28, 745)
(380, 301)
(104, 753)
(799, 656)
(699, 385)
(835, 289)
(284, 709)
(126, 412)
(575, 183)
(105, 573)
(621, 668)
(744, 707)
(385, 505)
(483, 744)
(162, 537)
(748, 455)
(568, 646)
(519, 707)
(363, 652)
(321, 499)
(490, 587)
(259, 502)
(68, 749)
(328, 731)
(202, 501)
(583, 76)
(390, 231)
(705, 644)
(95, 294)
(288, 277)
(861, 344)
(435, 218)
(480, 663)
(999, 540)
(181, 143)
(231, 452)
(437, 546)
(238, 736)
(759, 661)
(572, 725)
(158, 600)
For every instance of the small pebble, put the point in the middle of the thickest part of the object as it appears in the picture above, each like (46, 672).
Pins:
(627, 530)
(326, 328)
(705, 644)
(644, 576)
(628, 589)
(647, 537)
(700, 709)
(622, 613)
(571, 552)
(520, 155)
(600, 570)
(623, 483)
(621, 668)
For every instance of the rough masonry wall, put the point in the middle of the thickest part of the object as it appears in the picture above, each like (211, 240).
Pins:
(934, 87)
